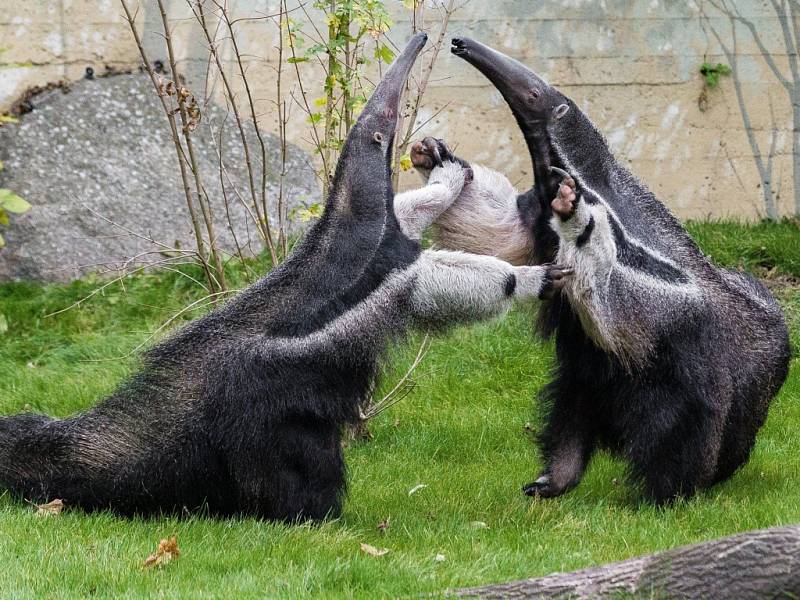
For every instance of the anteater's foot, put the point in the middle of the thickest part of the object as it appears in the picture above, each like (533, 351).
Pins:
(543, 487)
(428, 153)
(565, 201)
(555, 278)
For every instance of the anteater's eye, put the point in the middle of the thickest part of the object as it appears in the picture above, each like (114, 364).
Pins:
(377, 136)
(535, 93)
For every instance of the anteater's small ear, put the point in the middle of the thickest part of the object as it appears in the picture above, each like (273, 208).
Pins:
(560, 110)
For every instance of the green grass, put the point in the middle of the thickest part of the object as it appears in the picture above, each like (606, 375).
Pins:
(461, 432)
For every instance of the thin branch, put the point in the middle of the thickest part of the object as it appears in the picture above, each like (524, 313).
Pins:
(283, 119)
(101, 288)
(199, 13)
(791, 48)
(402, 146)
(732, 54)
(304, 96)
(221, 169)
(762, 48)
(259, 136)
(131, 18)
(205, 301)
(403, 387)
(202, 198)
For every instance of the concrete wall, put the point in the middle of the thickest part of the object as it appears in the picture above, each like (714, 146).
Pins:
(632, 65)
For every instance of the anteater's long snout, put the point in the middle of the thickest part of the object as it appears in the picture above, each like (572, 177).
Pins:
(514, 80)
(385, 100)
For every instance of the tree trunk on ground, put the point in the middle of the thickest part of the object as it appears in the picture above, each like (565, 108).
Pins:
(757, 564)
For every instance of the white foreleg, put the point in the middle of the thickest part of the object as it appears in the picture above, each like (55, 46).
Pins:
(452, 287)
(417, 209)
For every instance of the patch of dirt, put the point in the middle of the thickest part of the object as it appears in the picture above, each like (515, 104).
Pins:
(777, 282)
(25, 103)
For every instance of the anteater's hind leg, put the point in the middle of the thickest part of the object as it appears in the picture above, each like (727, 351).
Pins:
(746, 416)
(567, 442)
(758, 379)
(297, 474)
(673, 443)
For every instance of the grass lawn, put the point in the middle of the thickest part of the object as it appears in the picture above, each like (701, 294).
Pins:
(462, 433)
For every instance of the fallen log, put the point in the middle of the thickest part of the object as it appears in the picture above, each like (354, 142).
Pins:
(757, 564)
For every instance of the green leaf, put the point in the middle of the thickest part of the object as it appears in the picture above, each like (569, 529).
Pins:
(8, 119)
(312, 212)
(712, 73)
(3, 217)
(316, 49)
(3, 322)
(296, 59)
(405, 162)
(2, 241)
(13, 203)
(384, 53)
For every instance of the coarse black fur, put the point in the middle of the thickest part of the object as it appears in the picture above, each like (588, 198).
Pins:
(241, 411)
(711, 345)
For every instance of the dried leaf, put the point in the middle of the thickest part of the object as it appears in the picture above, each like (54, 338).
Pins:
(479, 525)
(193, 112)
(373, 551)
(384, 525)
(417, 488)
(51, 509)
(166, 551)
(439, 558)
(161, 85)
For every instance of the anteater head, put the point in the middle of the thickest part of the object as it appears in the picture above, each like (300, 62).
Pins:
(534, 102)
(363, 174)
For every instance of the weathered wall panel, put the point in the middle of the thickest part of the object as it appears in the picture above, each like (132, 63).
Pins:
(633, 66)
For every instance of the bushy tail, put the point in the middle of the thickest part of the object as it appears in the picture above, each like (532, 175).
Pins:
(31, 448)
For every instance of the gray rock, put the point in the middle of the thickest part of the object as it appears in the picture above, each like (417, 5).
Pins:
(104, 150)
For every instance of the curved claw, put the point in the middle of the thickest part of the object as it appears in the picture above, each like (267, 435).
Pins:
(544, 487)
(561, 172)
(437, 157)
(458, 47)
(469, 175)
(555, 279)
